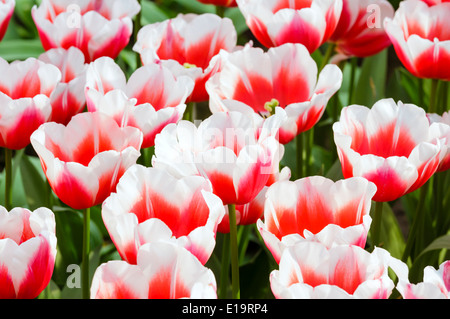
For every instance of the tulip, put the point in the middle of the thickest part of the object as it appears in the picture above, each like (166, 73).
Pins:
(444, 119)
(84, 160)
(360, 31)
(421, 39)
(435, 285)
(316, 209)
(251, 212)
(163, 271)
(27, 252)
(151, 98)
(287, 80)
(235, 155)
(276, 22)
(392, 145)
(6, 12)
(309, 270)
(152, 205)
(25, 90)
(188, 44)
(97, 28)
(227, 148)
(68, 97)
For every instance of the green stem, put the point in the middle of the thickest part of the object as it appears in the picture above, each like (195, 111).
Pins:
(328, 53)
(234, 253)
(433, 96)
(352, 79)
(189, 112)
(49, 196)
(376, 225)
(417, 221)
(421, 92)
(243, 239)
(8, 179)
(220, 11)
(300, 164)
(224, 272)
(85, 258)
(147, 155)
(443, 100)
(308, 151)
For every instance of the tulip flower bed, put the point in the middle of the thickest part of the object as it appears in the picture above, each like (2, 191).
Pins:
(233, 149)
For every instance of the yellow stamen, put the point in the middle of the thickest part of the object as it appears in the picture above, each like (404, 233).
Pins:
(189, 65)
(271, 105)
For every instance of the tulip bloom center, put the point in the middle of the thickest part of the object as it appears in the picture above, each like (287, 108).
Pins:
(174, 47)
(189, 65)
(153, 205)
(430, 32)
(28, 87)
(396, 142)
(271, 105)
(347, 275)
(92, 145)
(260, 92)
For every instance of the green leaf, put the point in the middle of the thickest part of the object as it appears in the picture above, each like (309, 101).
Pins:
(254, 277)
(195, 6)
(75, 292)
(23, 21)
(335, 171)
(290, 157)
(18, 191)
(372, 80)
(36, 187)
(442, 242)
(152, 13)
(69, 231)
(391, 236)
(20, 49)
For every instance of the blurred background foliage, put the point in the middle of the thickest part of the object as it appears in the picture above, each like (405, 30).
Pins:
(365, 81)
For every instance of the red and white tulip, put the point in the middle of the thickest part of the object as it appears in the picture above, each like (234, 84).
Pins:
(360, 31)
(188, 44)
(163, 271)
(25, 91)
(6, 12)
(443, 119)
(84, 160)
(97, 28)
(289, 79)
(68, 97)
(251, 212)
(435, 284)
(238, 157)
(151, 98)
(276, 22)
(421, 38)
(151, 205)
(310, 270)
(391, 144)
(27, 252)
(316, 209)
